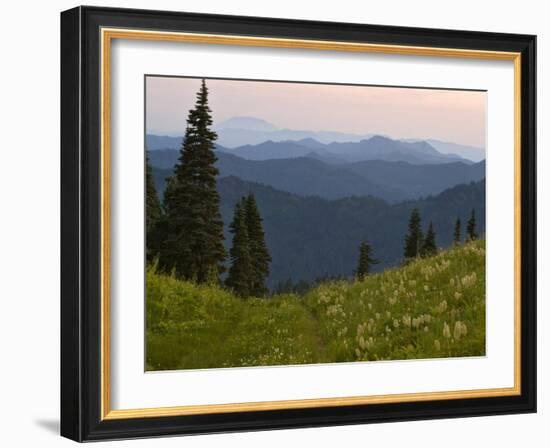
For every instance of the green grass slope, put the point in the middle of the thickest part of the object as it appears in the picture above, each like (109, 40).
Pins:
(431, 308)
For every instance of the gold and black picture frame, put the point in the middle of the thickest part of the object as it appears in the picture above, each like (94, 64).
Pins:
(127, 75)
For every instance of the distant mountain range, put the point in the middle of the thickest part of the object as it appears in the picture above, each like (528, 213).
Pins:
(309, 176)
(374, 148)
(321, 193)
(241, 131)
(383, 148)
(472, 153)
(311, 237)
(248, 123)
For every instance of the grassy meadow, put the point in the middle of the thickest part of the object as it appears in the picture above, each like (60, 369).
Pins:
(430, 308)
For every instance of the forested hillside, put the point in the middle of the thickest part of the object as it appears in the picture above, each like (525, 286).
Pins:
(311, 238)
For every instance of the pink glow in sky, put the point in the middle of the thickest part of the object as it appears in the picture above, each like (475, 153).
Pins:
(448, 115)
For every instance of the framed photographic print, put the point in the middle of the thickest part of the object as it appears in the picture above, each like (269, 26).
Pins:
(273, 223)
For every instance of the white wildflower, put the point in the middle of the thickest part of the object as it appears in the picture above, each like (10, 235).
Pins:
(446, 330)
(460, 330)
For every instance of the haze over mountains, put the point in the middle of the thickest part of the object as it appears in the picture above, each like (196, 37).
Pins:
(241, 131)
(472, 153)
(321, 193)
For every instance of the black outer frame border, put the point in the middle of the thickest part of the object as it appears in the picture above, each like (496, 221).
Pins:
(80, 224)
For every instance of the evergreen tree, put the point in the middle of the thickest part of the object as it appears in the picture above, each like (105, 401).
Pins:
(414, 239)
(429, 247)
(152, 212)
(366, 260)
(456, 234)
(285, 287)
(471, 226)
(239, 278)
(302, 287)
(193, 229)
(259, 252)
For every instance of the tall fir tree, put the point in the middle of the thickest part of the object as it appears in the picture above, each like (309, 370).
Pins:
(259, 252)
(240, 272)
(414, 238)
(152, 212)
(429, 246)
(457, 232)
(364, 265)
(192, 246)
(471, 226)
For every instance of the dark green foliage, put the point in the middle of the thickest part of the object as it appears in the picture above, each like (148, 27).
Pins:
(471, 226)
(249, 254)
(429, 246)
(414, 239)
(241, 270)
(152, 204)
(259, 252)
(284, 287)
(366, 260)
(152, 212)
(302, 287)
(456, 234)
(192, 227)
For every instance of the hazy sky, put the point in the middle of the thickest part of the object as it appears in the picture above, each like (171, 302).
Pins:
(455, 116)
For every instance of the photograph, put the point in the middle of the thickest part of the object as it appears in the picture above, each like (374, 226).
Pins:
(274, 222)
(291, 223)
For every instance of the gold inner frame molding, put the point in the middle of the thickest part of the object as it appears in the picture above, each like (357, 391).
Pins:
(107, 36)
